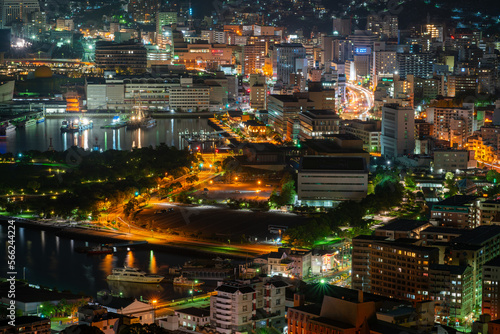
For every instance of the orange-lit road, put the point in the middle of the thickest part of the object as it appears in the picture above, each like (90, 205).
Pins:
(361, 102)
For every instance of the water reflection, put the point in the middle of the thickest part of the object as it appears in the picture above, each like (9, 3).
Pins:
(129, 260)
(153, 269)
(51, 261)
(38, 137)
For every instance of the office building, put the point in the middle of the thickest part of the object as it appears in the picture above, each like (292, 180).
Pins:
(318, 124)
(398, 131)
(143, 10)
(17, 11)
(325, 181)
(287, 57)
(417, 64)
(342, 26)
(368, 131)
(127, 57)
(284, 107)
(452, 160)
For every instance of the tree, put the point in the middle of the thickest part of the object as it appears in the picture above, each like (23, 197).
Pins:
(131, 206)
(33, 185)
(493, 176)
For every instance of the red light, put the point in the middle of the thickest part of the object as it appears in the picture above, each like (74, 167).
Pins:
(216, 151)
(452, 37)
(248, 90)
(198, 148)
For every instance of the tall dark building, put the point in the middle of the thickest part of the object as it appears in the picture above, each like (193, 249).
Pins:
(127, 56)
(143, 10)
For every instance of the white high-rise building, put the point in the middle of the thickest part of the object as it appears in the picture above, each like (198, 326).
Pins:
(398, 131)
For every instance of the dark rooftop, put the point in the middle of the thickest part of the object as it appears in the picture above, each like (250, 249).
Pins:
(479, 235)
(444, 230)
(195, 311)
(455, 270)
(402, 225)
(234, 289)
(331, 322)
(494, 262)
(351, 164)
(24, 320)
(26, 294)
(309, 308)
(457, 200)
(118, 303)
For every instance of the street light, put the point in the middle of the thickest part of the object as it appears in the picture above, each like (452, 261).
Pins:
(38, 313)
(154, 301)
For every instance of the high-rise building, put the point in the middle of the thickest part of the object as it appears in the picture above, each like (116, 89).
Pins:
(128, 56)
(491, 288)
(398, 131)
(286, 60)
(143, 10)
(418, 64)
(451, 290)
(17, 11)
(284, 107)
(164, 19)
(317, 123)
(385, 25)
(342, 27)
(258, 91)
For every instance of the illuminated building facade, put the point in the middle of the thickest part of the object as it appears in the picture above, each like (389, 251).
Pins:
(17, 11)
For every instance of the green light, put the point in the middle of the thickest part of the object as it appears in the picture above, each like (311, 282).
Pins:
(322, 281)
(136, 193)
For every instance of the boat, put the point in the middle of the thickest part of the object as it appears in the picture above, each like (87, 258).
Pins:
(184, 281)
(40, 119)
(76, 125)
(129, 274)
(147, 123)
(101, 249)
(6, 129)
(116, 123)
(30, 122)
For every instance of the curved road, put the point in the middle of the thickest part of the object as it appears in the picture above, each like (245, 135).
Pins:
(360, 103)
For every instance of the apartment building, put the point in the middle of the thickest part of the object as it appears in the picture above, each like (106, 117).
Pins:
(368, 131)
(361, 259)
(289, 263)
(284, 107)
(452, 160)
(451, 289)
(452, 124)
(402, 228)
(232, 308)
(491, 288)
(401, 269)
(398, 131)
(458, 211)
(318, 124)
(238, 305)
(488, 212)
(475, 248)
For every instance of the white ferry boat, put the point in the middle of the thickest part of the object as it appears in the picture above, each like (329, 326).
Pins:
(129, 274)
